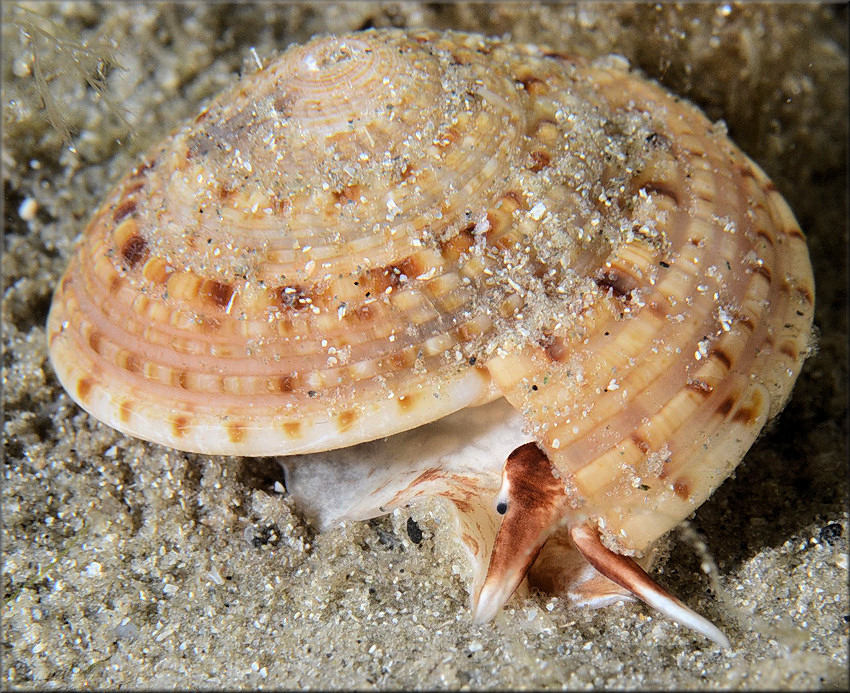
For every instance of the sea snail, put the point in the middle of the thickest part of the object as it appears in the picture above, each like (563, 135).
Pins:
(380, 229)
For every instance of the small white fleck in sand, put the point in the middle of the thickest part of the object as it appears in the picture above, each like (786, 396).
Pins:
(28, 209)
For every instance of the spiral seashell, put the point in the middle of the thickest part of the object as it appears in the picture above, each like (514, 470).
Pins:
(379, 229)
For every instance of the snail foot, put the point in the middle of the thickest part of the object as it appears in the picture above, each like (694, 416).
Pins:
(628, 574)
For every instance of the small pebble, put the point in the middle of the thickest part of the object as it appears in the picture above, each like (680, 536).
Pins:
(830, 533)
(28, 209)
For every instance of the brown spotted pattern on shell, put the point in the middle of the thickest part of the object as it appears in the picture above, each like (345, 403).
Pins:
(380, 229)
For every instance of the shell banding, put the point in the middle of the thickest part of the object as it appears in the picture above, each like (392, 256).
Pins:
(379, 229)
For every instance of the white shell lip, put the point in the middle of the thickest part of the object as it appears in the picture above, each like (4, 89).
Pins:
(373, 478)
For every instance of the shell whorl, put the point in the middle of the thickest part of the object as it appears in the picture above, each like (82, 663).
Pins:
(660, 403)
(379, 229)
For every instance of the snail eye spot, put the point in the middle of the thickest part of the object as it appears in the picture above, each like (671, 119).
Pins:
(501, 507)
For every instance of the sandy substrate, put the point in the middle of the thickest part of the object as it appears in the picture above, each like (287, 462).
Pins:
(127, 564)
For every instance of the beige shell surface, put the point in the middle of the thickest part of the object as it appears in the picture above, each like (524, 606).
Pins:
(379, 229)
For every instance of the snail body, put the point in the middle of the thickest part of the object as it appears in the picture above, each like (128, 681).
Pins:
(380, 229)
